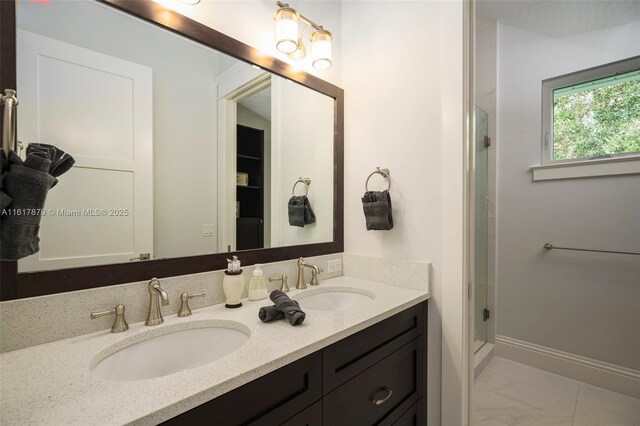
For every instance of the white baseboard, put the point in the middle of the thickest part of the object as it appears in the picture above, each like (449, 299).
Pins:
(597, 373)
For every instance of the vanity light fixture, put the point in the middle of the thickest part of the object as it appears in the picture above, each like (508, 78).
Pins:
(291, 42)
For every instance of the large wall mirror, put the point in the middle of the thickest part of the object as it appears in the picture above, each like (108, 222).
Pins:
(188, 145)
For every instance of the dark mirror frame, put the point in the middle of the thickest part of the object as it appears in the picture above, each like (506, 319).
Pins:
(14, 285)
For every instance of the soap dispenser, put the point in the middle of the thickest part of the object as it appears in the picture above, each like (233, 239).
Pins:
(233, 283)
(257, 285)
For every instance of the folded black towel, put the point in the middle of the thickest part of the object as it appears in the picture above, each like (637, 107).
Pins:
(300, 211)
(269, 313)
(27, 183)
(290, 308)
(377, 210)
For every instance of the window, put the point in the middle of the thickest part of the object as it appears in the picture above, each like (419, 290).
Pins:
(592, 114)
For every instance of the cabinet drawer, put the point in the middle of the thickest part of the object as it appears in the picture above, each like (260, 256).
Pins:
(310, 416)
(401, 373)
(412, 417)
(269, 400)
(354, 354)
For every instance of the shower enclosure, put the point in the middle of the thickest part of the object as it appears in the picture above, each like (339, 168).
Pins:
(481, 146)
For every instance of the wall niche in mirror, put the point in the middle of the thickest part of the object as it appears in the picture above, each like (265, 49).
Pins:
(180, 150)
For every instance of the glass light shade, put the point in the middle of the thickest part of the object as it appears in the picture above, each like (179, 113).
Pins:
(321, 49)
(286, 29)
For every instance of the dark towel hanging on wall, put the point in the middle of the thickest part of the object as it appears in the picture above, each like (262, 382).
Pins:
(25, 188)
(300, 211)
(377, 204)
(377, 210)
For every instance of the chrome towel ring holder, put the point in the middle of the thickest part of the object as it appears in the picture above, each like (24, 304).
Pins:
(306, 181)
(384, 172)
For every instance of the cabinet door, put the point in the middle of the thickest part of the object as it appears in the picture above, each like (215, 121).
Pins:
(310, 416)
(380, 394)
(269, 400)
(412, 417)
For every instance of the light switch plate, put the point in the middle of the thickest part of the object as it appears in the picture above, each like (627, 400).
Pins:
(208, 230)
(334, 265)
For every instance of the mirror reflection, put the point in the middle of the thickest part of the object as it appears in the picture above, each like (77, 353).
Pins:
(179, 150)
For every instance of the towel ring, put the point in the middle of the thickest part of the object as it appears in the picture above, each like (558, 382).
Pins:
(306, 181)
(384, 172)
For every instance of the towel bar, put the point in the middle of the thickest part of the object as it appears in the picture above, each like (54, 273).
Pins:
(550, 246)
(384, 172)
(9, 140)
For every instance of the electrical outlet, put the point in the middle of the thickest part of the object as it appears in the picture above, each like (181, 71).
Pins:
(334, 265)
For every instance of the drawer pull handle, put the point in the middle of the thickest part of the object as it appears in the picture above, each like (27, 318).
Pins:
(383, 400)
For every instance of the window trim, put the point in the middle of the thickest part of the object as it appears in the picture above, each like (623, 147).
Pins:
(549, 85)
(624, 164)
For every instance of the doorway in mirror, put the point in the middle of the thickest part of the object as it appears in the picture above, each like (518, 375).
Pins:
(250, 188)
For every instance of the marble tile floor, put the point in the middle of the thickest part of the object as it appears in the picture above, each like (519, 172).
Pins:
(514, 394)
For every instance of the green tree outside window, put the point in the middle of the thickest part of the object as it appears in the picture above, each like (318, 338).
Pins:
(597, 118)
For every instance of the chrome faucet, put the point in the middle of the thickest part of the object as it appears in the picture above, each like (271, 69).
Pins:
(301, 284)
(156, 294)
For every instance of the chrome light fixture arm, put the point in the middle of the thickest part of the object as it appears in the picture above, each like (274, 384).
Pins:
(303, 18)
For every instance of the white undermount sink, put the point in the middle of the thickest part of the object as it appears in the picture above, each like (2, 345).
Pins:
(168, 350)
(333, 298)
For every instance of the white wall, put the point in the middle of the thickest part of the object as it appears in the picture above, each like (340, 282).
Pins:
(249, 118)
(303, 123)
(585, 304)
(402, 74)
(184, 139)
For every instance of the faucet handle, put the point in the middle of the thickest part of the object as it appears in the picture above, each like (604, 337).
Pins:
(185, 311)
(284, 278)
(314, 276)
(120, 323)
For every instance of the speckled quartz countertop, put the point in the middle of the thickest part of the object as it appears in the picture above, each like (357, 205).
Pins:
(51, 384)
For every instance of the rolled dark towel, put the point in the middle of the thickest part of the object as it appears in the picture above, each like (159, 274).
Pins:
(300, 211)
(290, 308)
(61, 162)
(269, 313)
(377, 210)
(27, 183)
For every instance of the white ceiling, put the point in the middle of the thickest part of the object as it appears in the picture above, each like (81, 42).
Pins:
(260, 103)
(559, 18)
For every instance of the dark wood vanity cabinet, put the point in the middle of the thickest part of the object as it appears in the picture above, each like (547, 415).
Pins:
(374, 377)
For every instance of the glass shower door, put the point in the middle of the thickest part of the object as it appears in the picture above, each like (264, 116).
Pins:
(481, 227)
